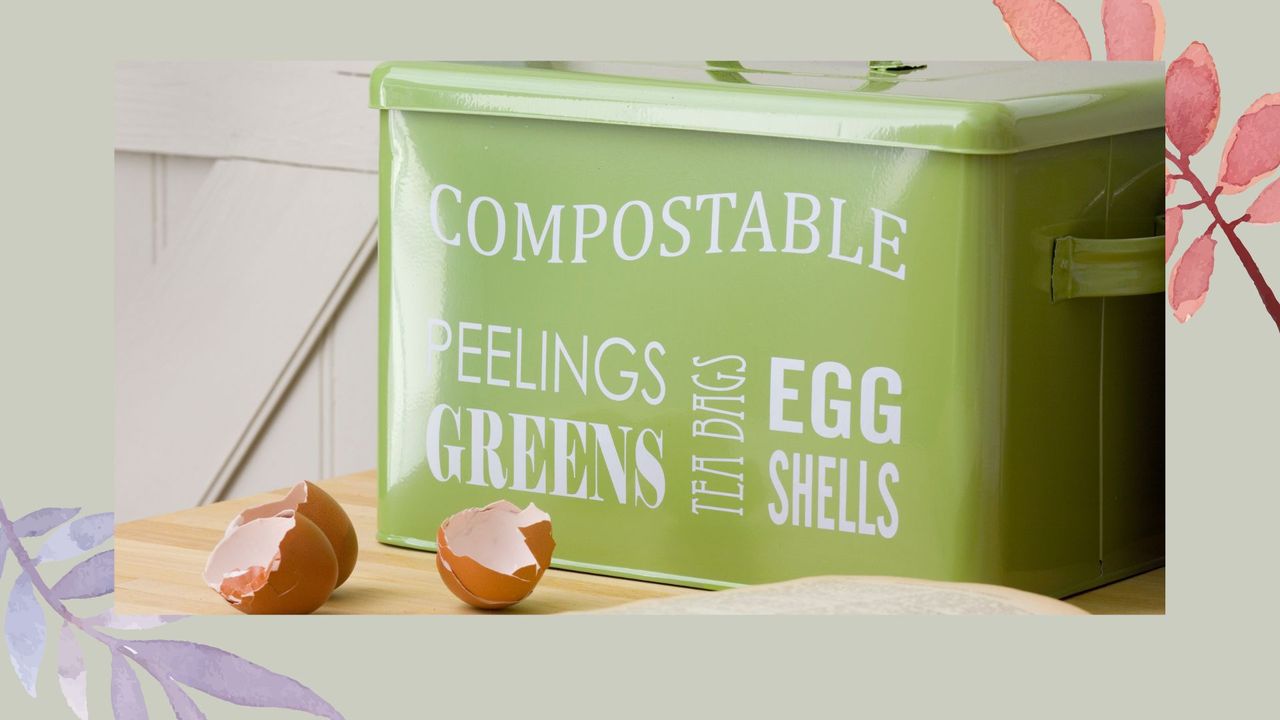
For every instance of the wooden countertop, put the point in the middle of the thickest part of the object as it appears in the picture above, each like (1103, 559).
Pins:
(159, 561)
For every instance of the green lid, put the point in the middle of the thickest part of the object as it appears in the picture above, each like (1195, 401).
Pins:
(963, 107)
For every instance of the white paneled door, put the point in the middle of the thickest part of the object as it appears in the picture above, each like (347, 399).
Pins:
(246, 279)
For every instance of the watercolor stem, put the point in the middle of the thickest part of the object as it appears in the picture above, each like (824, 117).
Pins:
(1210, 201)
(116, 645)
(37, 581)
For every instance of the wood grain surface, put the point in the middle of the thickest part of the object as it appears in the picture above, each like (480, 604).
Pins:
(159, 561)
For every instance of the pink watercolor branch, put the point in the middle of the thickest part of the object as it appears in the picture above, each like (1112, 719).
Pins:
(1135, 30)
(1210, 201)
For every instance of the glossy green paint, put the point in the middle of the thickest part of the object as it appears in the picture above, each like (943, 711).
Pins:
(1031, 438)
(984, 108)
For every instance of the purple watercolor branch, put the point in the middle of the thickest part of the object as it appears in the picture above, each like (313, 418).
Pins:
(171, 663)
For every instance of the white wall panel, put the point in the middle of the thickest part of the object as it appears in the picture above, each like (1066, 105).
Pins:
(288, 448)
(179, 179)
(294, 112)
(246, 283)
(353, 383)
(208, 343)
(135, 219)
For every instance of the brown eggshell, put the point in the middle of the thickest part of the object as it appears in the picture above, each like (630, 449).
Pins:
(494, 588)
(538, 537)
(451, 582)
(281, 564)
(318, 506)
(497, 555)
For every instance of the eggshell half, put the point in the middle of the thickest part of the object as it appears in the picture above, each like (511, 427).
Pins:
(318, 506)
(282, 564)
(455, 586)
(493, 557)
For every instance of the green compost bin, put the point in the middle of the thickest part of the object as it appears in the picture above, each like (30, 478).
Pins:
(736, 323)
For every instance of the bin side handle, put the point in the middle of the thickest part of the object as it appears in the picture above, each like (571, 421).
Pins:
(1111, 267)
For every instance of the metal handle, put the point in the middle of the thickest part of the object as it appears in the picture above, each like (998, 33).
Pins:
(881, 74)
(1093, 267)
(726, 71)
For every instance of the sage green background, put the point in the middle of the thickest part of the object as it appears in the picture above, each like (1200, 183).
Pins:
(1211, 654)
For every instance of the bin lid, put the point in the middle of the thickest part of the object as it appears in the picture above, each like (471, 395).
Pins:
(962, 107)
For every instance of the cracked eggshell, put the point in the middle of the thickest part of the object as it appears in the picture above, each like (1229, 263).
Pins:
(493, 557)
(281, 564)
(318, 506)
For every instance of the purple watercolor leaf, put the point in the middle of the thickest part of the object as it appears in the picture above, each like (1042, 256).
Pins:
(24, 631)
(173, 663)
(71, 672)
(184, 708)
(230, 677)
(92, 578)
(80, 535)
(41, 521)
(4, 553)
(126, 692)
(110, 619)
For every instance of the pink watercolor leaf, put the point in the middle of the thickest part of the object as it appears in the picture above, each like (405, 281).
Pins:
(1044, 29)
(1253, 147)
(1189, 282)
(1172, 226)
(1192, 99)
(1266, 207)
(1169, 184)
(1134, 29)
